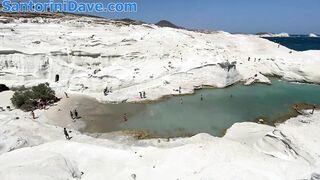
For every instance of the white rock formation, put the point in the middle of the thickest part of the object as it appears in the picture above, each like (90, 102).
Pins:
(89, 54)
(313, 35)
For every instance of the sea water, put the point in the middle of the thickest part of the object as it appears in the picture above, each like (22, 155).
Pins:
(298, 43)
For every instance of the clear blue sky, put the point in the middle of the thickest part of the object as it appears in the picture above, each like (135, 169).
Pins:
(250, 16)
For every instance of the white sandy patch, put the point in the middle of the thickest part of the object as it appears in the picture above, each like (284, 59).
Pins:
(5, 97)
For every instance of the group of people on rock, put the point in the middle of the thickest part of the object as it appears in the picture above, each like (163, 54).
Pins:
(8, 108)
(142, 95)
(74, 114)
(255, 59)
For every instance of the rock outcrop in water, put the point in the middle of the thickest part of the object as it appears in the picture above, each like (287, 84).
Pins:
(273, 35)
(313, 35)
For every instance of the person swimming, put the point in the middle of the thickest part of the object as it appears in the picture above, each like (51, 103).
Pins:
(125, 117)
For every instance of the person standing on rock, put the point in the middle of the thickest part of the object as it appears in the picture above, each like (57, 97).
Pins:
(32, 114)
(140, 93)
(144, 94)
(105, 91)
(66, 134)
(71, 115)
(76, 114)
(66, 95)
(314, 107)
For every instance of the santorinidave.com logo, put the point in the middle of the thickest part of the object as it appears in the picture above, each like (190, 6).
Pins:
(67, 6)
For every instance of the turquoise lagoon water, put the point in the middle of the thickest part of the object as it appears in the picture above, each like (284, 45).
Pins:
(218, 111)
